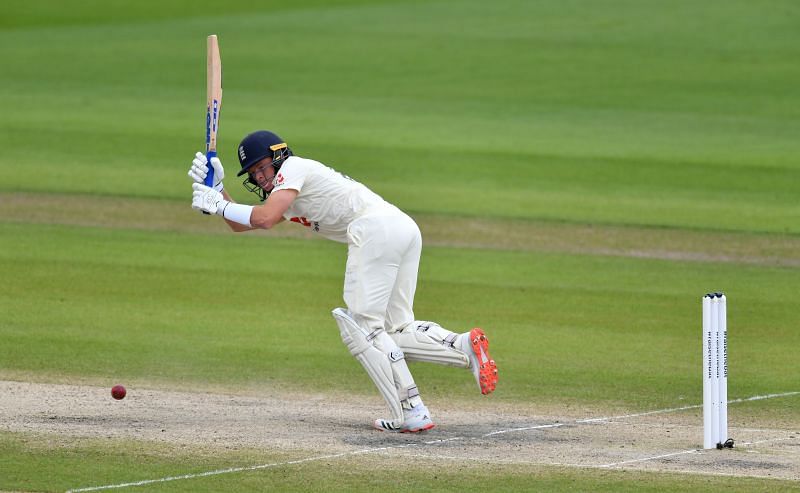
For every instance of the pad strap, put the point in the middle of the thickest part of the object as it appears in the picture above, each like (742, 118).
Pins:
(430, 342)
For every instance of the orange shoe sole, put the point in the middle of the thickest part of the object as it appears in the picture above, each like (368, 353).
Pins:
(488, 369)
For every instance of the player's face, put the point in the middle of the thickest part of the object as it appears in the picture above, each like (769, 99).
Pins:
(263, 173)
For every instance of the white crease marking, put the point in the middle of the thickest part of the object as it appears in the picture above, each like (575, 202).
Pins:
(685, 408)
(526, 428)
(645, 459)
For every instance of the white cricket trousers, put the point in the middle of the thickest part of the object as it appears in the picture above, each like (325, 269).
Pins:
(384, 248)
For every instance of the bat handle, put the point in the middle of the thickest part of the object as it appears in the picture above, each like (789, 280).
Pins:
(209, 181)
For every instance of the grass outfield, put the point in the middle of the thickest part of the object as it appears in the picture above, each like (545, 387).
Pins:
(626, 112)
(583, 173)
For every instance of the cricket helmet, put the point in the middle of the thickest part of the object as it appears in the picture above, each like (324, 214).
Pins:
(255, 147)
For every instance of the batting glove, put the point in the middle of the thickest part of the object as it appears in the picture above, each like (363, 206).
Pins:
(207, 199)
(199, 170)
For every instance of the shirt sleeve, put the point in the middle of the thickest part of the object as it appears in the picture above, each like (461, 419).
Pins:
(292, 175)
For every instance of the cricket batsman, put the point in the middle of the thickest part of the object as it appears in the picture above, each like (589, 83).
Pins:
(384, 246)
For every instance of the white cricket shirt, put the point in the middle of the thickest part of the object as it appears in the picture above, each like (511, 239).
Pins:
(327, 201)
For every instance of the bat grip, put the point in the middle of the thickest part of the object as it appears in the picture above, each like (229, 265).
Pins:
(209, 181)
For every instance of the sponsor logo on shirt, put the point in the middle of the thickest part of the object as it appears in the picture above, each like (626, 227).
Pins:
(279, 179)
(301, 220)
(305, 222)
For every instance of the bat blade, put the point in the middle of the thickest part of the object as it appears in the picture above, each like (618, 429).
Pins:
(213, 102)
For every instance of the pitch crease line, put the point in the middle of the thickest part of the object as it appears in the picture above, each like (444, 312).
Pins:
(685, 408)
(526, 428)
(645, 459)
(244, 469)
(686, 452)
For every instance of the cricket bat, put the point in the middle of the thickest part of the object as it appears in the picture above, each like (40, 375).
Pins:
(214, 102)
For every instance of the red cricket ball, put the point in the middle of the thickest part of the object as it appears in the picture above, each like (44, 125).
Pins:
(118, 392)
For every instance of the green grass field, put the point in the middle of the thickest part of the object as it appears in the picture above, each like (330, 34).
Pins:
(620, 158)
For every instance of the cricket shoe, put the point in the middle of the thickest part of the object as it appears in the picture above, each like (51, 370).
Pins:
(483, 367)
(414, 420)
